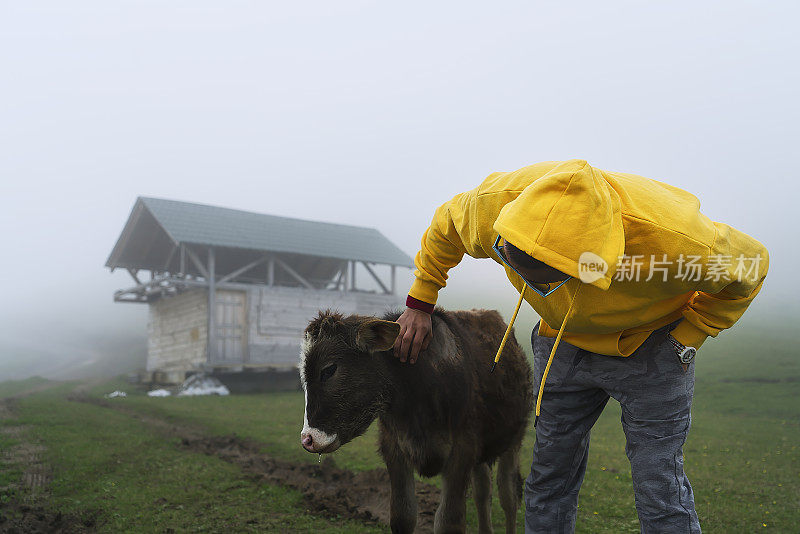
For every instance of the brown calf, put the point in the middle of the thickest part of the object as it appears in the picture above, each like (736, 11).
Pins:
(445, 415)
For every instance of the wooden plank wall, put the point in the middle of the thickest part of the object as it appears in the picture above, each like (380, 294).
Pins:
(177, 331)
(278, 316)
(275, 320)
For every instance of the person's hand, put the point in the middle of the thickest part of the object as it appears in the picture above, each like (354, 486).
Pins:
(415, 334)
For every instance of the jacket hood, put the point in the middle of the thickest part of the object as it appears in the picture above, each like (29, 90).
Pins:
(570, 219)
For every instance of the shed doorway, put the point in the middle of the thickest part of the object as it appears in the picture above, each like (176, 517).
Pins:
(231, 323)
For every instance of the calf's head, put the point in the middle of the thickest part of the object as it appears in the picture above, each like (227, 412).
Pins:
(343, 379)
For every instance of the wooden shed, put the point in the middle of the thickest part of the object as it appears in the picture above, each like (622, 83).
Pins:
(262, 276)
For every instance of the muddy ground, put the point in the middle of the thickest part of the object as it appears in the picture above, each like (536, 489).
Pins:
(22, 509)
(327, 489)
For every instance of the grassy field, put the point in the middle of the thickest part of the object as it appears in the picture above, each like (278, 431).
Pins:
(113, 471)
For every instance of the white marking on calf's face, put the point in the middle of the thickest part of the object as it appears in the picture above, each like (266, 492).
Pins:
(305, 347)
(320, 439)
(305, 413)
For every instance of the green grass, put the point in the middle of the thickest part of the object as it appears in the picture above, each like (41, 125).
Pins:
(742, 459)
(118, 474)
(10, 473)
(741, 455)
(11, 388)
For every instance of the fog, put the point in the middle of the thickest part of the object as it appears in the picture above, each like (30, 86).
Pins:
(364, 113)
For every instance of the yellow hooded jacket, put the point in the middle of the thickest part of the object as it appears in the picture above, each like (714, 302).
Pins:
(688, 266)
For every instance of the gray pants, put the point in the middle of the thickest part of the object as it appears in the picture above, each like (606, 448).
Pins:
(656, 397)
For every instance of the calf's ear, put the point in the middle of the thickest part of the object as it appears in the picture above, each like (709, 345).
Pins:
(377, 335)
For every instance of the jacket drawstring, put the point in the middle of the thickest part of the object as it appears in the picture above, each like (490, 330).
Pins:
(508, 330)
(552, 351)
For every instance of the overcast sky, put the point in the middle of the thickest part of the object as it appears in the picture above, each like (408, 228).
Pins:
(373, 114)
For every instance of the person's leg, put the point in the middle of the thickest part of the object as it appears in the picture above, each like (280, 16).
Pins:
(569, 409)
(656, 398)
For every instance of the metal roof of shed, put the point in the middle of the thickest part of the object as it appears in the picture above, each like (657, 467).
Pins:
(202, 224)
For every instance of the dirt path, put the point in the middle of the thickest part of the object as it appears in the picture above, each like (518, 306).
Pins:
(22, 507)
(327, 489)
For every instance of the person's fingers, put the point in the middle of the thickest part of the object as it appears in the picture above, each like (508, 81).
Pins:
(408, 339)
(421, 346)
(426, 342)
(396, 346)
(416, 346)
(398, 342)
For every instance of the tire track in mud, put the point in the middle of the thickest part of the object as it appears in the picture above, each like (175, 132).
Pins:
(23, 508)
(327, 490)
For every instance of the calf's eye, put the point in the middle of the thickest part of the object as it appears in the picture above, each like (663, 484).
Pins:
(327, 372)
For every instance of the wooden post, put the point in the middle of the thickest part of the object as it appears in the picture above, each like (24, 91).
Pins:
(183, 260)
(294, 274)
(341, 279)
(376, 278)
(271, 272)
(169, 259)
(211, 349)
(197, 263)
(241, 270)
(134, 274)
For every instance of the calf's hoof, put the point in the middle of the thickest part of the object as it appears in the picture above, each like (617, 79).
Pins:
(402, 525)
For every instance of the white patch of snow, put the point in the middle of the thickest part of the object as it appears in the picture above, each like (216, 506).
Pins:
(201, 384)
(188, 392)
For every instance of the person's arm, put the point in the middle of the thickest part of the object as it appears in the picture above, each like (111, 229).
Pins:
(712, 309)
(443, 246)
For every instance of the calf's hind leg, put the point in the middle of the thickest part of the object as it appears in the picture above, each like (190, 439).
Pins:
(451, 514)
(509, 486)
(482, 493)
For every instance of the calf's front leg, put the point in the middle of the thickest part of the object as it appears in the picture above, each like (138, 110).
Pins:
(403, 502)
